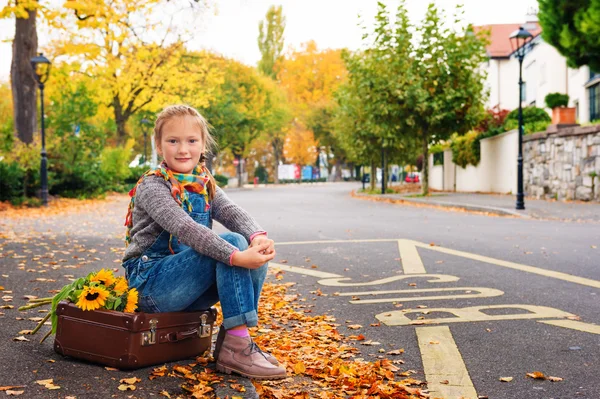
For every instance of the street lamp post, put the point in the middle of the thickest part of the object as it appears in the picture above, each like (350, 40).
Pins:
(41, 71)
(518, 41)
(145, 123)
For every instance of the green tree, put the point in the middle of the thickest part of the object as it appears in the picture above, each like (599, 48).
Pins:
(573, 27)
(245, 106)
(270, 44)
(270, 40)
(375, 98)
(446, 92)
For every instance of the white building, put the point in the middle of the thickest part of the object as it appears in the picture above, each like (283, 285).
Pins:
(544, 71)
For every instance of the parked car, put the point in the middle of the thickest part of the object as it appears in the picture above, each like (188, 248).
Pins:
(412, 178)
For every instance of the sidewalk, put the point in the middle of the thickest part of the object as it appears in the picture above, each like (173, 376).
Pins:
(502, 204)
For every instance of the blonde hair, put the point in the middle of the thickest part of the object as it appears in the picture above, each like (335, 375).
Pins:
(181, 110)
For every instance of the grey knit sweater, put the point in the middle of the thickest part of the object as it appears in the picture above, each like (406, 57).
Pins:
(155, 210)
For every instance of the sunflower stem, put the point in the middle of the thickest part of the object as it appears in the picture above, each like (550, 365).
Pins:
(41, 323)
(46, 336)
(34, 305)
(50, 298)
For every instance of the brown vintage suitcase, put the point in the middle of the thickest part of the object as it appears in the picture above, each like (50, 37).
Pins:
(131, 340)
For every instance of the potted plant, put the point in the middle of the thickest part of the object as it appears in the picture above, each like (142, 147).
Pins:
(561, 114)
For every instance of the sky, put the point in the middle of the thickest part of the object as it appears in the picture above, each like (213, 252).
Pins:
(231, 26)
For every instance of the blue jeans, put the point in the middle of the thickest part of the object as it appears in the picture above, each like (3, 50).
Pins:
(190, 281)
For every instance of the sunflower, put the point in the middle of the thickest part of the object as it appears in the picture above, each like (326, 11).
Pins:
(121, 285)
(104, 277)
(132, 300)
(92, 298)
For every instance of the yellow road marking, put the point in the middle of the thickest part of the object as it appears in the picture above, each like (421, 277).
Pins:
(432, 278)
(471, 313)
(481, 258)
(409, 256)
(442, 362)
(482, 293)
(307, 272)
(574, 325)
(516, 266)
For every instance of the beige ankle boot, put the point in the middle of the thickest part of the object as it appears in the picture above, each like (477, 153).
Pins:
(219, 342)
(242, 356)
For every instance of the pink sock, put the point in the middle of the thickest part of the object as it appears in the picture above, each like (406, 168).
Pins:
(239, 333)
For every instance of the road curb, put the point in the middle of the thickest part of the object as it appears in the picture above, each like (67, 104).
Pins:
(435, 204)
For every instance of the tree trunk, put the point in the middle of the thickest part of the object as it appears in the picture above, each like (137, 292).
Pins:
(120, 120)
(338, 170)
(425, 174)
(239, 168)
(373, 174)
(24, 86)
(277, 144)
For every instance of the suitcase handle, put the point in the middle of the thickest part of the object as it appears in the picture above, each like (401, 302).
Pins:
(178, 336)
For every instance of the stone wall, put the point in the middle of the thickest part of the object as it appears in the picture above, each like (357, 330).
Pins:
(559, 162)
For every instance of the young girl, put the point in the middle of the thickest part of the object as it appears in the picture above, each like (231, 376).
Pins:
(176, 261)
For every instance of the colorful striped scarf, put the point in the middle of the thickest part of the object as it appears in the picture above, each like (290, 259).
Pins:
(181, 183)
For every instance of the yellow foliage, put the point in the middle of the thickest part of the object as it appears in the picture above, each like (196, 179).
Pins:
(300, 146)
(310, 76)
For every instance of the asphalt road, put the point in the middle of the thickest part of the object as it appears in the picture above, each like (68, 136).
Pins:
(540, 271)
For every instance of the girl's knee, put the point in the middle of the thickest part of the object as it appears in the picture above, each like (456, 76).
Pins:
(235, 239)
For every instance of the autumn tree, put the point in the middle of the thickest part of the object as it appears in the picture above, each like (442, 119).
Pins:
(125, 45)
(573, 27)
(310, 77)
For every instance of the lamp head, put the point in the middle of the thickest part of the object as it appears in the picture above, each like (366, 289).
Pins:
(41, 68)
(518, 40)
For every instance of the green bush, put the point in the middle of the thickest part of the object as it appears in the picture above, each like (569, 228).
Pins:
(221, 180)
(554, 100)
(534, 120)
(262, 174)
(465, 149)
(11, 181)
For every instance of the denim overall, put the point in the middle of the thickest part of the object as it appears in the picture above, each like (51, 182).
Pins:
(190, 281)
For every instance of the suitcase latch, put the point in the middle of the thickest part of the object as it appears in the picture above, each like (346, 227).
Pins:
(149, 337)
(205, 330)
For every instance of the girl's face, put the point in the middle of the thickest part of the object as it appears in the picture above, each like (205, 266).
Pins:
(181, 144)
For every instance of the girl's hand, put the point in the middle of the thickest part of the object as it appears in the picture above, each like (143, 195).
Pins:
(253, 257)
(260, 239)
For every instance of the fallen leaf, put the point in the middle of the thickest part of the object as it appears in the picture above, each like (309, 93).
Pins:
(165, 393)
(354, 326)
(506, 379)
(129, 381)
(7, 307)
(21, 338)
(299, 368)
(111, 369)
(14, 393)
(125, 387)
(434, 342)
(11, 387)
(26, 332)
(51, 361)
(370, 343)
(36, 318)
(554, 379)
(537, 375)
(396, 352)
(445, 382)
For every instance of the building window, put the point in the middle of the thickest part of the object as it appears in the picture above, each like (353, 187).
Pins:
(594, 102)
